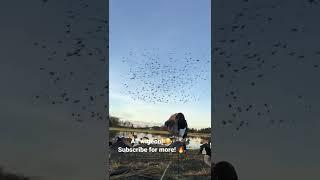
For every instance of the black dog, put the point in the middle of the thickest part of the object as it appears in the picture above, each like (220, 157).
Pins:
(222, 170)
(177, 124)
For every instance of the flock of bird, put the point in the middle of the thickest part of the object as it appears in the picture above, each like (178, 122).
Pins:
(161, 76)
(153, 76)
(240, 64)
(156, 76)
(75, 63)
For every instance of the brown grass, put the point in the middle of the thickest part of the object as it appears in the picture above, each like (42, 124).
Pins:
(152, 165)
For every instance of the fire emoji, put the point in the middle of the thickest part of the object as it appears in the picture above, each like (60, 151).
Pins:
(180, 149)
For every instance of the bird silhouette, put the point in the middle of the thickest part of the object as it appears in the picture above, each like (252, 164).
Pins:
(166, 79)
(235, 60)
(74, 49)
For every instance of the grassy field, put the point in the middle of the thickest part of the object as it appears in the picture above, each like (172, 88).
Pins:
(189, 165)
(149, 131)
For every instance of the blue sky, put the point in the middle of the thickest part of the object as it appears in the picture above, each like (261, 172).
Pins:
(182, 26)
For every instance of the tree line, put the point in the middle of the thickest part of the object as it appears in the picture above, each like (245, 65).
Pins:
(117, 122)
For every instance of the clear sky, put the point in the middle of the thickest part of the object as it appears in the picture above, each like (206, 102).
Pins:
(181, 26)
